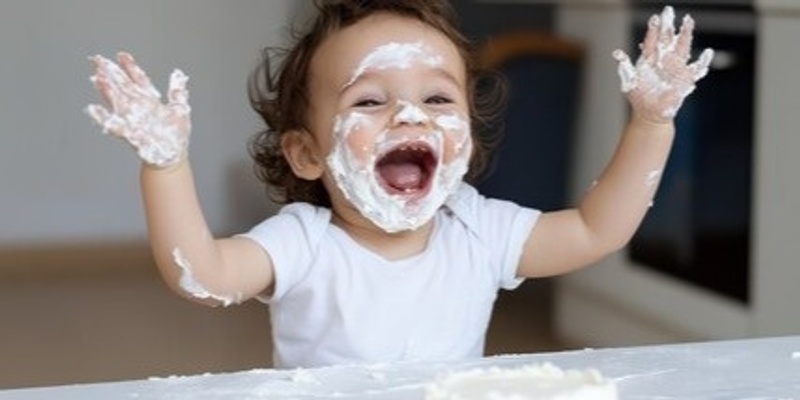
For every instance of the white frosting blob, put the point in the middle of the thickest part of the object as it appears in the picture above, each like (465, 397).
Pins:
(541, 382)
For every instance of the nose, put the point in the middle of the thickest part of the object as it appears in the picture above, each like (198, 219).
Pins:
(409, 114)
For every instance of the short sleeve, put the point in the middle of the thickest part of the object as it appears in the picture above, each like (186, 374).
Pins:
(503, 226)
(291, 239)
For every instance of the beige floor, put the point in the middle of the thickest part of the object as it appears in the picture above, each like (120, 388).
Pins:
(63, 325)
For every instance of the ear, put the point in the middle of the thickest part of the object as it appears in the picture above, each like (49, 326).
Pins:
(302, 153)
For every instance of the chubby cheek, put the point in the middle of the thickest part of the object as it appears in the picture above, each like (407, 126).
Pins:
(359, 143)
(356, 133)
(457, 136)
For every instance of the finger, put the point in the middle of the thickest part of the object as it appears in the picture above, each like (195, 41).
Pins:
(121, 86)
(116, 76)
(685, 37)
(110, 122)
(98, 113)
(699, 68)
(112, 92)
(178, 95)
(626, 71)
(99, 82)
(650, 42)
(667, 32)
(137, 74)
(108, 79)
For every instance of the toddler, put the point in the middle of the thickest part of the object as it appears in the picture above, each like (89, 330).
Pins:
(383, 251)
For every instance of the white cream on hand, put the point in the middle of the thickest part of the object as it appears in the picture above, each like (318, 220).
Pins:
(159, 132)
(662, 78)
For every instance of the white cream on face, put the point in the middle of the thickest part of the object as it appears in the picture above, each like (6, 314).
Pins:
(194, 288)
(409, 114)
(361, 139)
(396, 55)
(358, 179)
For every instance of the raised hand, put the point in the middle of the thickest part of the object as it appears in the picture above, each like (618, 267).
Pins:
(662, 77)
(134, 111)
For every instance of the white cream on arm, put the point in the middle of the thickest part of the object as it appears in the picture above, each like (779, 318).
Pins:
(194, 288)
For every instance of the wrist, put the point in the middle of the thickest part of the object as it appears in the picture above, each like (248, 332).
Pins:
(644, 119)
(167, 168)
(649, 128)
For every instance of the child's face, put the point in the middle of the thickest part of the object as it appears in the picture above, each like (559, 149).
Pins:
(389, 110)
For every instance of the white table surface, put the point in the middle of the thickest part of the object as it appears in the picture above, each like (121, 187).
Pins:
(767, 368)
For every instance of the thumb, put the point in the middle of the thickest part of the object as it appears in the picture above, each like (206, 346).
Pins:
(626, 71)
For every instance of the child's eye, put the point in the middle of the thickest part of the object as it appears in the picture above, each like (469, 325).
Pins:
(438, 99)
(367, 103)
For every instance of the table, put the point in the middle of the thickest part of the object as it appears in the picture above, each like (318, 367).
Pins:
(763, 368)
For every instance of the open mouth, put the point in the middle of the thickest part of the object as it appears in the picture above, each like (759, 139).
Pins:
(407, 169)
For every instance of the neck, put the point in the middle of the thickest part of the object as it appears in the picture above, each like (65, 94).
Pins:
(391, 246)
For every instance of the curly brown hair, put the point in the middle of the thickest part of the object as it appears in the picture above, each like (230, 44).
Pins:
(281, 97)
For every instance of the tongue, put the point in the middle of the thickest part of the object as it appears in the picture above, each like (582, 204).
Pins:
(402, 176)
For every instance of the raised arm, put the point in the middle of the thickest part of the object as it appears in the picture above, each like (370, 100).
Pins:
(613, 208)
(192, 262)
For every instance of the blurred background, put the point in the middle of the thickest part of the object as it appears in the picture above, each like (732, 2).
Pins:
(81, 301)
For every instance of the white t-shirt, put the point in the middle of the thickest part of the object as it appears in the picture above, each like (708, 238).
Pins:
(337, 302)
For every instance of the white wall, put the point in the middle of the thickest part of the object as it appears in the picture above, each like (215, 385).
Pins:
(778, 192)
(60, 178)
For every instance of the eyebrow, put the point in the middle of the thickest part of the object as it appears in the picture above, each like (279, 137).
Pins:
(367, 74)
